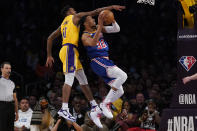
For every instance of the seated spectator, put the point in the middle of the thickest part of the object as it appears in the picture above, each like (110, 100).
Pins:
(58, 103)
(140, 105)
(76, 110)
(84, 104)
(47, 118)
(156, 96)
(32, 101)
(52, 96)
(125, 119)
(150, 117)
(25, 114)
(42, 118)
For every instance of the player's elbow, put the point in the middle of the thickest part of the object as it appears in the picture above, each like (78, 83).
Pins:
(118, 29)
(50, 39)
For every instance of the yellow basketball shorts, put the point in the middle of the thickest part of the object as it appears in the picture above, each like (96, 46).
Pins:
(70, 58)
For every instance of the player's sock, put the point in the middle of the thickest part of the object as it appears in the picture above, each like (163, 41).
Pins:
(64, 106)
(93, 103)
(119, 93)
(110, 96)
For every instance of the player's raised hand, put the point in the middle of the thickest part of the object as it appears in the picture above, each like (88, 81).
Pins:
(101, 19)
(186, 80)
(118, 7)
(49, 62)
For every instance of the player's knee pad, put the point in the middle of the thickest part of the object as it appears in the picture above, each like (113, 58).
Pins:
(81, 77)
(69, 78)
(123, 76)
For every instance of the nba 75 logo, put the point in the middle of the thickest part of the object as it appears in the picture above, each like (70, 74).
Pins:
(187, 62)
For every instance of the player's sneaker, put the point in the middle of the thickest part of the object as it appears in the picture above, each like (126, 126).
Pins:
(105, 107)
(95, 115)
(66, 115)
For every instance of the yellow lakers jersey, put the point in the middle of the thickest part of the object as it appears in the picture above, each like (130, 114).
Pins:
(70, 32)
(187, 15)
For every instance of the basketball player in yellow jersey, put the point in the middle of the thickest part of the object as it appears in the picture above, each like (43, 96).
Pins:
(72, 67)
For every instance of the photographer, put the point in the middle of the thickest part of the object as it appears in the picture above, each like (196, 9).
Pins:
(150, 117)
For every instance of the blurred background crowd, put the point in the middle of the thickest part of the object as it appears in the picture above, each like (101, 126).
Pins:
(145, 49)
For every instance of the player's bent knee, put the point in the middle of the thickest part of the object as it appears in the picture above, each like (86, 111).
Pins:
(124, 76)
(69, 78)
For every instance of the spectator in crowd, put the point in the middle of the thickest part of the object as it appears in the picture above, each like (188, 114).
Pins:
(84, 104)
(58, 103)
(156, 96)
(125, 119)
(77, 111)
(25, 114)
(52, 96)
(140, 105)
(32, 101)
(150, 117)
(43, 116)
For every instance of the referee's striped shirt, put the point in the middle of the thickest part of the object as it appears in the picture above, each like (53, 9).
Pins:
(7, 87)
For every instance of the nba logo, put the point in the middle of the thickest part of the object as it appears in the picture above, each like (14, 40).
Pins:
(187, 62)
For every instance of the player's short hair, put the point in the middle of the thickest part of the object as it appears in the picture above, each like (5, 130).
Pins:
(4, 63)
(65, 10)
(81, 23)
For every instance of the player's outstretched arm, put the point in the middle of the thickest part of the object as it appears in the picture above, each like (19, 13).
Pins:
(89, 41)
(78, 16)
(189, 78)
(111, 29)
(50, 39)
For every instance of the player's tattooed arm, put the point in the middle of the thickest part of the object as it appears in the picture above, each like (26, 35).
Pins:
(50, 39)
(78, 16)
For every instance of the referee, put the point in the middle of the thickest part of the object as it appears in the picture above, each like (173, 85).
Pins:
(8, 100)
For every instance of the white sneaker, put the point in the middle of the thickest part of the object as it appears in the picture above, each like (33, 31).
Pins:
(66, 115)
(95, 115)
(105, 107)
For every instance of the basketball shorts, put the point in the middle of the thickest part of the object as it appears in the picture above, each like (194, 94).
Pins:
(100, 65)
(70, 58)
